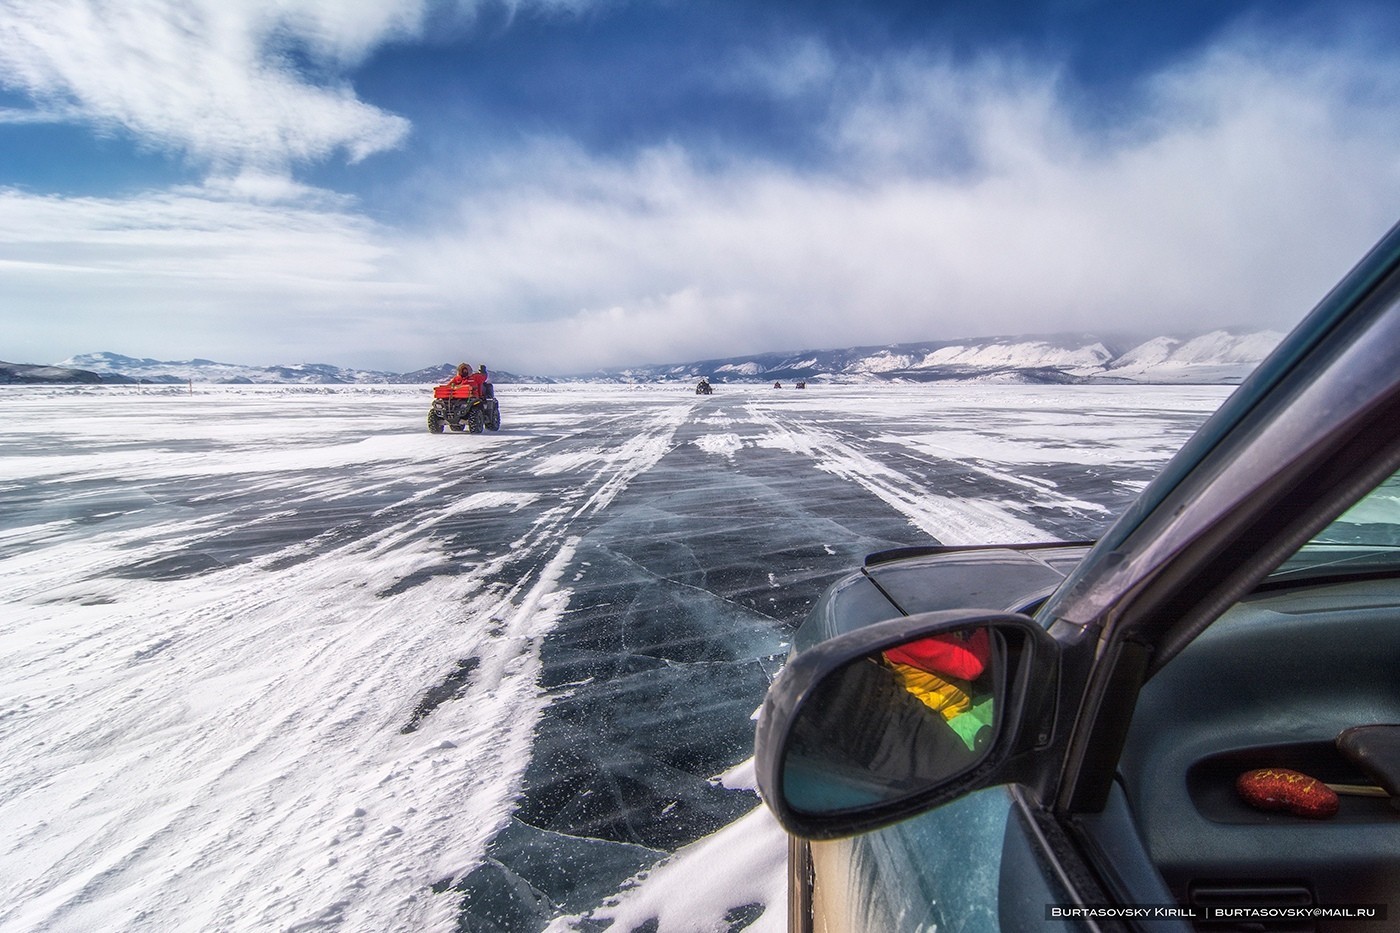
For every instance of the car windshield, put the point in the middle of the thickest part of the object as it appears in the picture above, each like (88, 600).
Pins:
(1365, 539)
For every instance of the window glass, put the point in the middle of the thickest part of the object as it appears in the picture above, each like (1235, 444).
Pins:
(1365, 539)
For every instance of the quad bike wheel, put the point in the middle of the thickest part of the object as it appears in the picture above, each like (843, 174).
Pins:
(475, 420)
(493, 417)
(434, 422)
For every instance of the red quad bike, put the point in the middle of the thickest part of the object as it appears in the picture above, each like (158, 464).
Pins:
(464, 408)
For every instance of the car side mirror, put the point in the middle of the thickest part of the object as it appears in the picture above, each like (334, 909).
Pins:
(876, 725)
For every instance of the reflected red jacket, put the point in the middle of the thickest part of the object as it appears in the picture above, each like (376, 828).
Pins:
(961, 656)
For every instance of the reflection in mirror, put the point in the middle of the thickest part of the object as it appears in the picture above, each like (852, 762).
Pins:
(889, 725)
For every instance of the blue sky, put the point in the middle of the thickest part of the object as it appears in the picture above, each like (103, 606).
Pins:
(552, 186)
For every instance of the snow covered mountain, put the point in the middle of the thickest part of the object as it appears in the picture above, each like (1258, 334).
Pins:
(198, 370)
(30, 374)
(1214, 357)
(114, 367)
(1217, 357)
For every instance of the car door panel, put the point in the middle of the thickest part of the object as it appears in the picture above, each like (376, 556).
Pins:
(1270, 684)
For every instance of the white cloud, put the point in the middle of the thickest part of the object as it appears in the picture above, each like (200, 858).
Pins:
(1251, 180)
(1244, 183)
(224, 82)
(802, 66)
(206, 77)
(15, 115)
(282, 276)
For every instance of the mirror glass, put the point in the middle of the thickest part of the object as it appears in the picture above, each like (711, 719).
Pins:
(889, 725)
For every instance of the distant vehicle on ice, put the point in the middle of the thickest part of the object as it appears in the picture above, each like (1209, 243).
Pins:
(465, 404)
(704, 387)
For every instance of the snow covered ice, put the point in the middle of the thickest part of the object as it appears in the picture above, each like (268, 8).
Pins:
(276, 658)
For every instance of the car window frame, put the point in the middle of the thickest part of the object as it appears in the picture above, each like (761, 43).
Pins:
(1320, 326)
(1307, 440)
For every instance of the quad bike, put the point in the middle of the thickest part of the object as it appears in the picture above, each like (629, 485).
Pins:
(464, 408)
(704, 387)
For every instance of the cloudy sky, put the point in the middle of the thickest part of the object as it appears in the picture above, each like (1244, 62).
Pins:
(552, 186)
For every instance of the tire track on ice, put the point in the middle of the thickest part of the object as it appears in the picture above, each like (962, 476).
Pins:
(537, 554)
(1045, 491)
(947, 519)
(250, 769)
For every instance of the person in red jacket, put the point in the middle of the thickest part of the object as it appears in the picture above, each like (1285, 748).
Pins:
(477, 379)
(463, 377)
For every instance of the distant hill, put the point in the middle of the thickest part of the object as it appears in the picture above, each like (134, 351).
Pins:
(445, 371)
(30, 374)
(1219, 357)
(133, 369)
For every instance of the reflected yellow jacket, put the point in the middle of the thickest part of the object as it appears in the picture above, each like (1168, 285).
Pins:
(948, 695)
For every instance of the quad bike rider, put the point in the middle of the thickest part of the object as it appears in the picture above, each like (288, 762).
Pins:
(467, 402)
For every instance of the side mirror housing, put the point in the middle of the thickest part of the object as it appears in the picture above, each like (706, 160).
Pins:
(888, 721)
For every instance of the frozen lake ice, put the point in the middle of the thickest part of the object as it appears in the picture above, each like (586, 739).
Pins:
(277, 658)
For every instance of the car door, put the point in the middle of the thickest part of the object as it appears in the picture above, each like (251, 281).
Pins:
(1087, 799)
(1315, 433)
(1196, 676)
(1260, 763)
